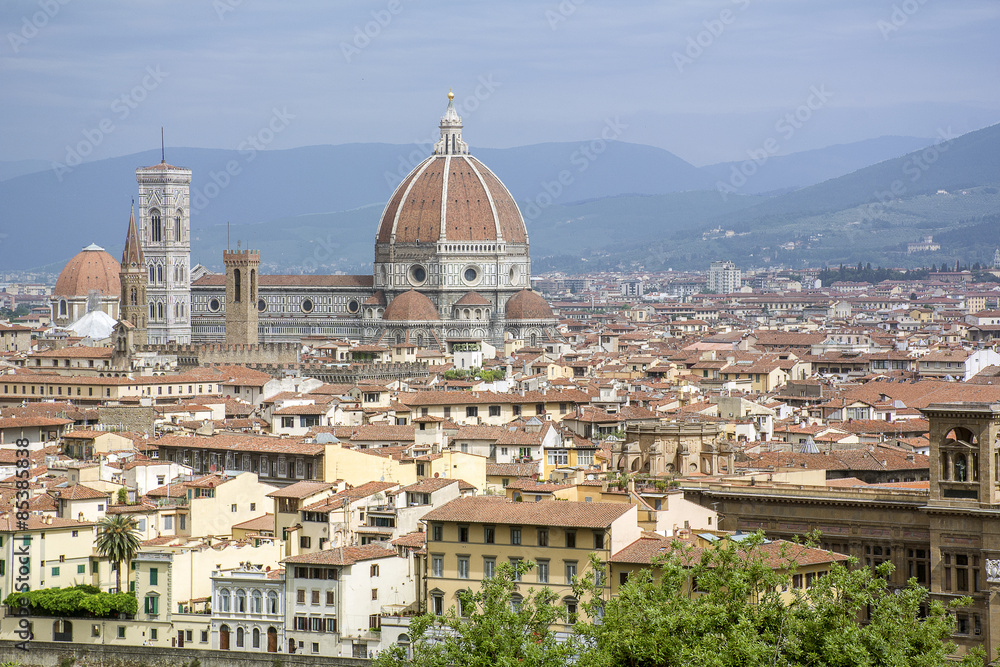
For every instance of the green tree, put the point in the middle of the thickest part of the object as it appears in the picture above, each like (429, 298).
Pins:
(501, 625)
(118, 541)
(740, 616)
(122, 497)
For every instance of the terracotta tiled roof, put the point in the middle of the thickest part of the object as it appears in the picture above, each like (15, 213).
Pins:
(341, 555)
(300, 490)
(528, 305)
(494, 509)
(511, 469)
(473, 298)
(415, 209)
(410, 306)
(265, 522)
(415, 539)
(91, 269)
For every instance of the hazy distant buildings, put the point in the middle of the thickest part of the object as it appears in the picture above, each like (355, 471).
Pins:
(724, 277)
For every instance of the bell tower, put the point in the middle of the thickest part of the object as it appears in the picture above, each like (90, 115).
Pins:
(165, 231)
(242, 268)
(132, 304)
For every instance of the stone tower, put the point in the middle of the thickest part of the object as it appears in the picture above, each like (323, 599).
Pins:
(133, 308)
(165, 232)
(964, 456)
(242, 268)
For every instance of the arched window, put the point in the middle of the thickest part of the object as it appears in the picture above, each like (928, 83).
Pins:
(258, 602)
(272, 602)
(253, 284)
(177, 225)
(134, 297)
(256, 637)
(159, 273)
(241, 601)
(156, 226)
(152, 273)
(159, 311)
(239, 637)
(224, 599)
(152, 312)
(237, 286)
(62, 306)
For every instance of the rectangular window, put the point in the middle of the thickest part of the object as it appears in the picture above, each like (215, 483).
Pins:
(598, 539)
(489, 534)
(437, 533)
(463, 567)
(463, 533)
(489, 567)
(55, 572)
(80, 569)
(472, 411)
(121, 632)
(329, 598)
(570, 539)
(305, 542)
(570, 571)
(543, 537)
(300, 596)
(543, 571)
(153, 576)
(514, 563)
(494, 411)
(437, 566)
(315, 597)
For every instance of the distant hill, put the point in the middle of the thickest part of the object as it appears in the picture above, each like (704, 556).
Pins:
(90, 203)
(21, 167)
(316, 208)
(797, 170)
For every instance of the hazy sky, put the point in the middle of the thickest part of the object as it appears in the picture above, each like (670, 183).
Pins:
(707, 80)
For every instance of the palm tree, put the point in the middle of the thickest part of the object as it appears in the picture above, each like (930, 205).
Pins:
(118, 541)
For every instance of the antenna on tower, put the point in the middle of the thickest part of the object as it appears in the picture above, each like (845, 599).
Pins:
(229, 245)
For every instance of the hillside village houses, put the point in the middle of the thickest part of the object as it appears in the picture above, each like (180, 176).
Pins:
(307, 485)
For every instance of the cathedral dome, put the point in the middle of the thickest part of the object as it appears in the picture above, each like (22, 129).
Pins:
(451, 196)
(528, 305)
(411, 305)
(92, 269)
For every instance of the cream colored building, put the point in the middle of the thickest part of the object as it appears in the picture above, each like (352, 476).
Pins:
(469, 537)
